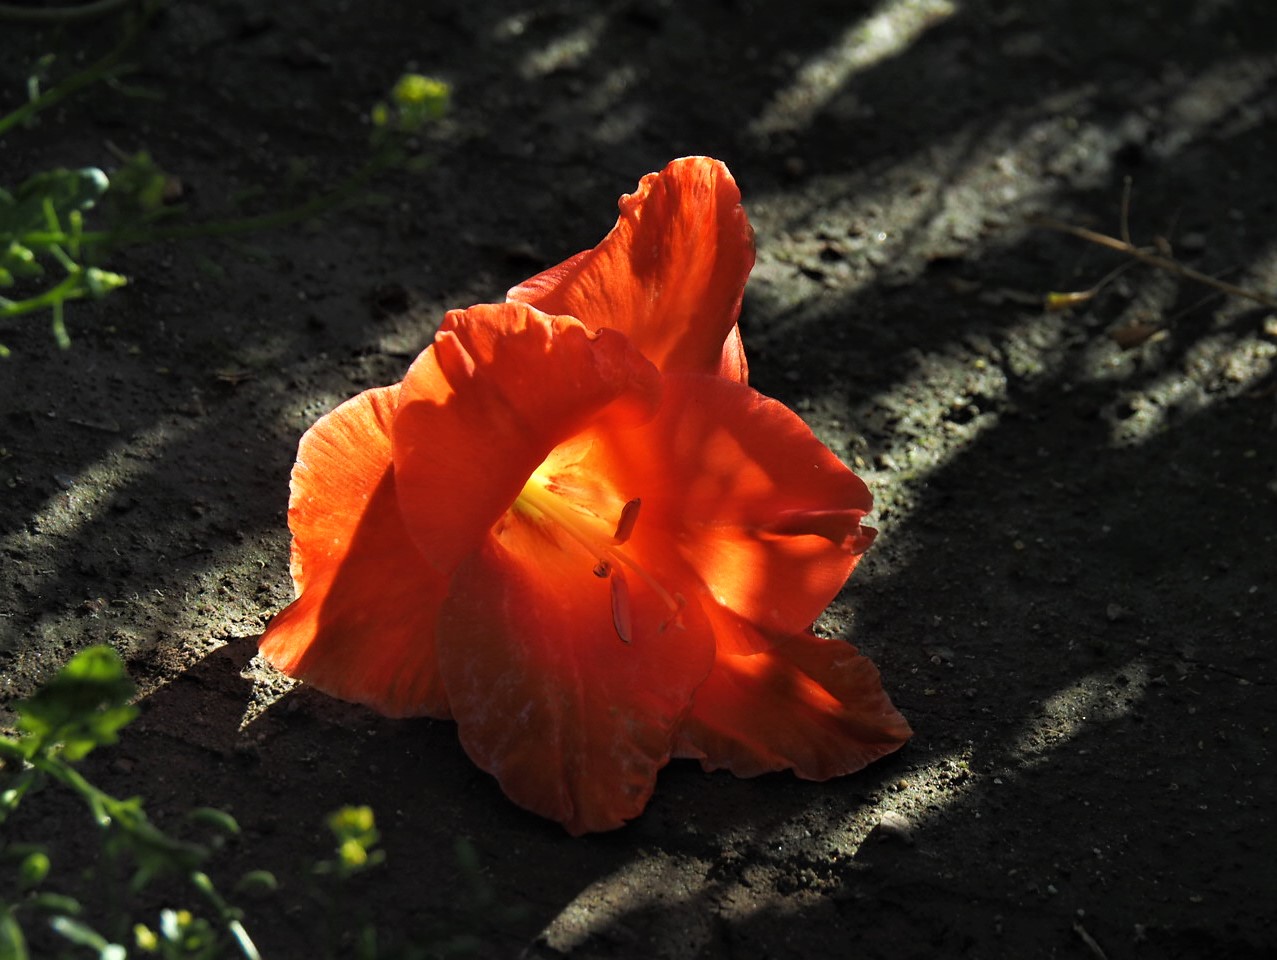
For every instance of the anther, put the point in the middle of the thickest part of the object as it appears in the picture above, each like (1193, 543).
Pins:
(629, 517)
(602, 569)
(622, 618)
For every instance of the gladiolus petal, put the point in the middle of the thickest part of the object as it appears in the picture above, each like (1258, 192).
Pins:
(362, 626)
(572, 712)
(670, 275)
(739, 487)
(807, 704)
(499, 389)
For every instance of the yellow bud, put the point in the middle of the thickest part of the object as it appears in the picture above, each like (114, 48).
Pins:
(423, 96)
(146, 939)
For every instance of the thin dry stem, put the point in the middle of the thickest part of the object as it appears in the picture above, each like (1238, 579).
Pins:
(1126, 210)
(1153, 259)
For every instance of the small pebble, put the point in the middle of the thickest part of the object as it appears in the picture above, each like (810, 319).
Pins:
(895, 826)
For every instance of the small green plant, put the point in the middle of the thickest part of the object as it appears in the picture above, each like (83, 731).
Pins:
(357, 836)
(42, 220)
(84, 708)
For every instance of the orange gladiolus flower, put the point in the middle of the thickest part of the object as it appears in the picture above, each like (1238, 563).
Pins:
(577, 531)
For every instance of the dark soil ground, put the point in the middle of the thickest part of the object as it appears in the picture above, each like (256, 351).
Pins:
(1072, 594)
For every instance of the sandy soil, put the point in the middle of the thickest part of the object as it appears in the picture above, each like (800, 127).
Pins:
(1071, 596)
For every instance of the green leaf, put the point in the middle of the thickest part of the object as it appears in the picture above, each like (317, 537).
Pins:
(59, 191)
(83, 935)
(13, 945)
(101, 282)
(257, 883)
(83, 707)
(33, 869)
(217, 819)
(56, 903)
(19, 260)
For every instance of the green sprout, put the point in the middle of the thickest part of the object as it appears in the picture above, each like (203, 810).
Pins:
(42, 220)
(355, 831)
(82, 708)
(415, 101)
(85, 707)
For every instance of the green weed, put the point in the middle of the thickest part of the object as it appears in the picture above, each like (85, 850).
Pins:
(48, 255)
(83, 709)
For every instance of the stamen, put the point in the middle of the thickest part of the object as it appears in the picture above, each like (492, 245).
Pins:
(670, 602)
(629, 517)
(622, 617)
(537, 500)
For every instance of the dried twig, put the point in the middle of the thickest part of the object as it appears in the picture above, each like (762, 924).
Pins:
(1147, 256)
(1090, 941)
(1063, 301)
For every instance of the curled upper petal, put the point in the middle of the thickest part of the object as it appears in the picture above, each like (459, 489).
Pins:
(362, 626)
(499, 389)
(738, 487)
(806, 704)
(568, 685)
(670, 274)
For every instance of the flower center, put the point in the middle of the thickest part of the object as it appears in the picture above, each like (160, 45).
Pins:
(545, 501)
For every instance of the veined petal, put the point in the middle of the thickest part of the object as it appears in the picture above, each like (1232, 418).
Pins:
(810, 705)
(739, 487)
(670, 275)
(362, 626)
(499, 389)
(572, 712)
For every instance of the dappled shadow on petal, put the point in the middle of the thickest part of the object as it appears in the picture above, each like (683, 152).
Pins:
(811, 705)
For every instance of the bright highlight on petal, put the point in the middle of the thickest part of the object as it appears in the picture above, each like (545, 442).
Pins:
(501, 387)
(575, 530)
(738, 487)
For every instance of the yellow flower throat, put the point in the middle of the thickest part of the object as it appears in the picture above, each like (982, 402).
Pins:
(543, 501)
